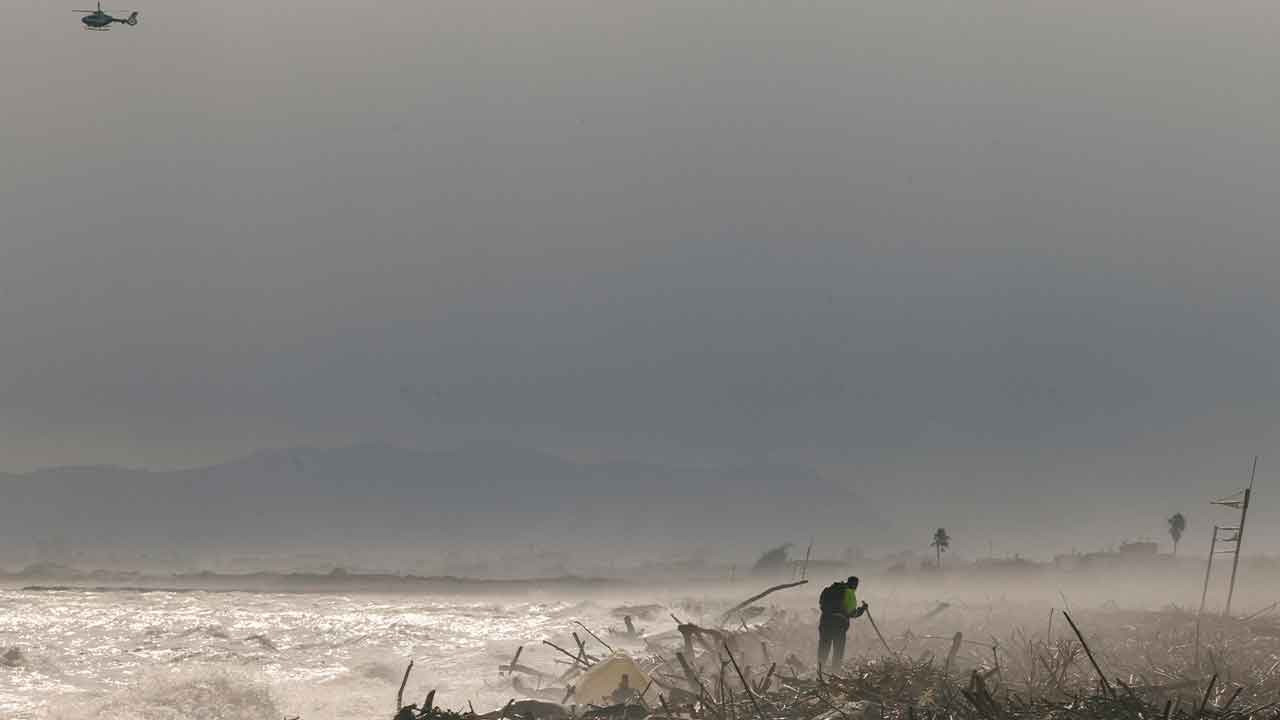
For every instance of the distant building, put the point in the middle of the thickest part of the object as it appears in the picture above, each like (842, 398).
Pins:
(1140, 547)
(1007, 565)
(1128, 555)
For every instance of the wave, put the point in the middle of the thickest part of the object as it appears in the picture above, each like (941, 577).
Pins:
(332, 644)
(211, 631)
(187, 695)
(378, 670)
(263, 642)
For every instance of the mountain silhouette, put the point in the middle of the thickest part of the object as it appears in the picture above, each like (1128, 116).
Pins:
(379, 493)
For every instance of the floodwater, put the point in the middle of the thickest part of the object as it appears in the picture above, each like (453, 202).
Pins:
(231, 655)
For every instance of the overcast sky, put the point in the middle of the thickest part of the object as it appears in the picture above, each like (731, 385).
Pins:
(943, 240)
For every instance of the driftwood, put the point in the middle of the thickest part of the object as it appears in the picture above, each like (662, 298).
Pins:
(692, 633)
(525, 669)
(621, 711)
(585, 657)
(597, 637)
(936, 611)
(1208, 691)
(897, 686)
(729, 613)
(746, 686)
(695, 683)
(951, 654)
(514, 660)
(1106, 686)
(529, 708)
(400, 692)
(1264, 610)
(576, 659)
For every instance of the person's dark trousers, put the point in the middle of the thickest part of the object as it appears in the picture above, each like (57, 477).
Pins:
(831, 636)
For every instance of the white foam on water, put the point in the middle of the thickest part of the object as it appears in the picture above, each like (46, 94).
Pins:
(159, 655)
(191, 694)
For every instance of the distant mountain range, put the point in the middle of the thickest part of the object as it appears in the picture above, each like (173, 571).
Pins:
(377, 493)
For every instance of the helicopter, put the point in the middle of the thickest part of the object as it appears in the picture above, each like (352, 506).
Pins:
(99, 20)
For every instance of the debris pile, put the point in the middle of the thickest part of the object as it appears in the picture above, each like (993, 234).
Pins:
(1103, 665)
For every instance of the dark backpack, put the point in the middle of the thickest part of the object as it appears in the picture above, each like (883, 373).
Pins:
(832, 598)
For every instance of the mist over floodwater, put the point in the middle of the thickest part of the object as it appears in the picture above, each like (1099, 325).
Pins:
(324, 655)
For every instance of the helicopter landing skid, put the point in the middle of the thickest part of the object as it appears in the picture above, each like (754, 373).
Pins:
(97, 29)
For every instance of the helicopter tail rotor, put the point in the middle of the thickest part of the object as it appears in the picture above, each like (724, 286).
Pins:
(133, 18)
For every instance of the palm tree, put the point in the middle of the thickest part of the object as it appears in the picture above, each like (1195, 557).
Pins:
(941, 541)
(1177, 524)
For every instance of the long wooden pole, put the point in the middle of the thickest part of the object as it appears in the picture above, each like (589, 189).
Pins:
(1204, 594)
(1235, 560)
(880, 635)
(729, 613)
(1208, 569)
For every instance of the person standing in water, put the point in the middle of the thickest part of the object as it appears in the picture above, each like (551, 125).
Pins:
(839, 604)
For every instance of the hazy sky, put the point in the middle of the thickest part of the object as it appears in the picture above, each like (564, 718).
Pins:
(945, 240)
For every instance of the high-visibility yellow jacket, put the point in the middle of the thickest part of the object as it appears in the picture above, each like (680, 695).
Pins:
(850, 602)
